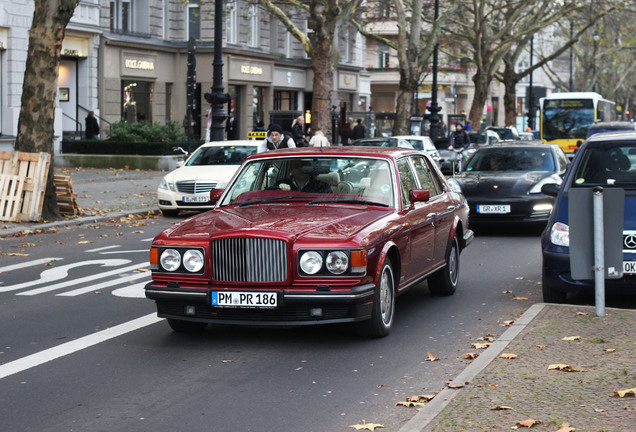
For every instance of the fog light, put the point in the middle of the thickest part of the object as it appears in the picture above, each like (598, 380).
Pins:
(542, 207)
(190, 310)
(315, 312)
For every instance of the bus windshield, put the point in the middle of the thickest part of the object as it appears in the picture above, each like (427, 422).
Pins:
(567, 118)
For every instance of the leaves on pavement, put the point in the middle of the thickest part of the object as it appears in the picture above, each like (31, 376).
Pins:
(528, 423)
(430, 357)
(572, 338)
(501, 408)
(565, 427)
(471, 356)
(566, 368)
(508, 356)
(367, 426)
(482, 345)
(628, 392)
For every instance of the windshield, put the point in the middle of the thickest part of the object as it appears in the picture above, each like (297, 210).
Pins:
(567, 118)
(478, 138)
(606, 164)
(316, 179)
(511, 159)
(221, 155)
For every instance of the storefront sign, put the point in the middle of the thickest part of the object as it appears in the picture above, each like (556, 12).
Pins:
(347, 81)
(244, 70)
(74, 47)
(138, 65)
(251, 70)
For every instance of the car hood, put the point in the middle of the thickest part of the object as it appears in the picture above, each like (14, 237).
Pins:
(513, 183)
(285, 221)
(218, 173)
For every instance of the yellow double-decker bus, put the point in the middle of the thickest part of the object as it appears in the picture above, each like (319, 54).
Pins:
(565, 117)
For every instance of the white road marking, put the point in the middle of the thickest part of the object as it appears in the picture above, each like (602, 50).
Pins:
(71, 347)
(57, 273)
(27, 264)
(66, 284)
(131, 291)
(103, 248)
(146, 251)
(107, 284)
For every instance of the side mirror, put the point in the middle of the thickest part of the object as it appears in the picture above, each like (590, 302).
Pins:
(215, 194)
(419, 195)
(551, 189)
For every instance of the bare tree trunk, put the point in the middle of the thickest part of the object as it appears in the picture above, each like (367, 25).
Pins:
(482, 82)
(321, 64)
(37, 113)
(510, 81)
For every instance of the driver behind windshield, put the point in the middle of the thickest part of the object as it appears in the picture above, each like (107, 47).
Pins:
(301, 179)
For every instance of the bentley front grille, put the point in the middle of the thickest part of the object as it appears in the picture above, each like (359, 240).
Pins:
(249, 260)
(195, 186)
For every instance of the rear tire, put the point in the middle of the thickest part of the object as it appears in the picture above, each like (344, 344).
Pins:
(444, 281)
(180, 326)
(383, 310)
(550, 294)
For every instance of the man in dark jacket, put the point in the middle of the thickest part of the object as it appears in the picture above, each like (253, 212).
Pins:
(459, 139)
(92, 127)
(359, 130)
(276, 139)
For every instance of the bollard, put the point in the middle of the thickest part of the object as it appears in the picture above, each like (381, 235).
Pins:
(599, 251)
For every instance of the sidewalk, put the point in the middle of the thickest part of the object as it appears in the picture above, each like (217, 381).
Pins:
(503, 394)
(102, 194)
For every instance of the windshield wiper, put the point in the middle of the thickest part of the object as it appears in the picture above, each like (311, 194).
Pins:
(348, 201)
(275, 199)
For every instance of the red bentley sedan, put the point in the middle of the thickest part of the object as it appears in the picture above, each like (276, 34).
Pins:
(311, 236)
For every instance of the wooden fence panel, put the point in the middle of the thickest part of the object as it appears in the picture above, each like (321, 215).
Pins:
(32, 169)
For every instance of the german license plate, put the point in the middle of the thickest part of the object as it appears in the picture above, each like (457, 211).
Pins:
(244, 299)
(196, 199)
(493, 209)
(629, 267)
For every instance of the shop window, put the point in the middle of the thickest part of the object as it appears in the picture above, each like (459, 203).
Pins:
(136, 101)
(194, 21)
(285, 101)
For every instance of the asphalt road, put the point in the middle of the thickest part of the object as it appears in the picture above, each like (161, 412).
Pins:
(82, 350)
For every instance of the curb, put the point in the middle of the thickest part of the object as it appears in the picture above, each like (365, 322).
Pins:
(68, 222)
(418, 422)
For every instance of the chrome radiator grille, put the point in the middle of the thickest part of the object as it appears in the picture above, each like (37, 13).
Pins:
(249, 260)
(195, 187)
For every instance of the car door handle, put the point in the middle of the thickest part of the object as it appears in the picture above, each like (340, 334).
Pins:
(450, 208)
(431, 215)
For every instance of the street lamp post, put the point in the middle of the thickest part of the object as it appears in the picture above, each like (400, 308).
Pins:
(595, 38)
(217, 98)
(531, 90)
(434, 108)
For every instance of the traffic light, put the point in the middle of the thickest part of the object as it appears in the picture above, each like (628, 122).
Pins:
(627, 113)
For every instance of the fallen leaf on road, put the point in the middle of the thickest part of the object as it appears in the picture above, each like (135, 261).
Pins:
(227, 361)
(528, 423)
(409, 404)
(140, 270)
(486, 338)
(520, 298)
(572, 338)
(609, 350)
(628, 392)
(507, 292)
(565, 367)
(471, 356)
(581, 313)
(420, 398)
(599, 410)
(508, 356)
(430, 357)
(540, 345)
(455, 386)
(506, 323)
(17, 254)
(501, 407)
(367, 426)
(565, 427)
(483, 345)
(83, 242)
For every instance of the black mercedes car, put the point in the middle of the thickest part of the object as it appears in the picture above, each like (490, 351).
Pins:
(502, 182)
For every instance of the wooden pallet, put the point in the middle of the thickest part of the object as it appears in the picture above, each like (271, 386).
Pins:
(23, 203)
(66, 198)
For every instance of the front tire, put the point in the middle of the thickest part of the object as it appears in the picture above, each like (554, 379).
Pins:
(444, 281)
(383, 310)
(180, 326)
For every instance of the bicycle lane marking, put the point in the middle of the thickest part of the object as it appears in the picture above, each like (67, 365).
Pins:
(71, 347)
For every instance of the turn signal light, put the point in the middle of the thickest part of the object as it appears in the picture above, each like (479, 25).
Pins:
(358, 261)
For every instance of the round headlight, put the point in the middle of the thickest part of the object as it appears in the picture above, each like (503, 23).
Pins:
(193, 260)
(170, 260)
(311, 262)
(337, 262)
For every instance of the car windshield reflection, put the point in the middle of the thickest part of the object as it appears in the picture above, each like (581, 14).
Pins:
(364, 181)
(221, 155)
(606, 165)
(511, 159)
